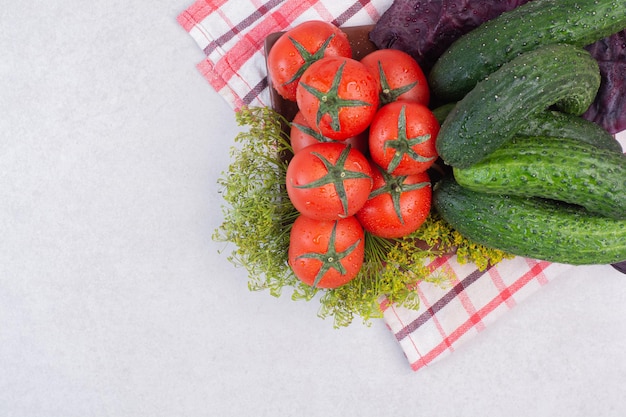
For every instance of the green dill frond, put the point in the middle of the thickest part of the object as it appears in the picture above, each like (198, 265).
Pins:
(437, 233)
(258, 214)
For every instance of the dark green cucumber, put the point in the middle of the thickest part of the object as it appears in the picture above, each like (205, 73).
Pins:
(563, 125)
(478, 53)
(557, 168)
(555, 124)
(531, 227)
(498, 107)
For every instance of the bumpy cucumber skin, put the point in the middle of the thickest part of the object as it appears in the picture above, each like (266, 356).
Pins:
(531, 227)
(496, 109)
(562, 125)
(555, 124)
(556, 168)
(539, 22)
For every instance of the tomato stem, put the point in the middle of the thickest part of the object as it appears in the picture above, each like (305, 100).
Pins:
(332, 258)
(330, 102)
(403, 145)
(389, 94)
(308, 57)
(394, 186)
(336, 174)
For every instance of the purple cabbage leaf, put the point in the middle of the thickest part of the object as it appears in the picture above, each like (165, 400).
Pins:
(609, 108)
(426, 28)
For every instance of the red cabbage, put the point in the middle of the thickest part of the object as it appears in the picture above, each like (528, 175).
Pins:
(426, 28)
(609, 108)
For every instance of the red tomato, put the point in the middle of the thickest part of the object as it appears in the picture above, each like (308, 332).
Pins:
(402, 138)
(398, 205)
(302, 135)
(326, 254)
(328, 181)
(338, 97)
(298, 48)
(399, 75)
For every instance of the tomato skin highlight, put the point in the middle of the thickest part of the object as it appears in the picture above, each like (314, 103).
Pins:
(324, 202)
(310, 237)
(284, 60)
(302, 135)
(338, 97)
(389, 135)
(378, 215)
(404, 77)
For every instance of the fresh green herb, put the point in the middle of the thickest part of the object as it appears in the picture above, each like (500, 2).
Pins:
(258, 214)
(436, 232)
(258, 217)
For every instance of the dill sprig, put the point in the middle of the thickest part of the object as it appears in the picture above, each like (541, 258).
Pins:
(258, 217)
(438, 233)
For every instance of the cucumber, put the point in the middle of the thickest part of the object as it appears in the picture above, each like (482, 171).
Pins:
(441, 112)
(481, 51)
(498, 107)
(555, 124)
(563, 125)
(557, 168)
(531, 227)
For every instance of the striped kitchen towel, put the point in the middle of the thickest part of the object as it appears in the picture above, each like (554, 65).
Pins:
(449, 316)
(232, 35)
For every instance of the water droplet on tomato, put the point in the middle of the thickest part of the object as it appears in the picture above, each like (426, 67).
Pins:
(353, 87)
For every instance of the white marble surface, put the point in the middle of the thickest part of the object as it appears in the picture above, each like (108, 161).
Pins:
(114, 300)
